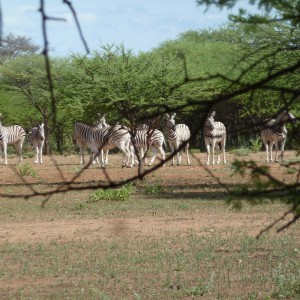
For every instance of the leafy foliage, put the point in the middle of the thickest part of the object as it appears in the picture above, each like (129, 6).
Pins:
(27, 170)
(119, 194)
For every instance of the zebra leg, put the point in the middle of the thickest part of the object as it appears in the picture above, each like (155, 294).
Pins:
(219, 152)
(41, 153)
(19, 150)
(163, 154)
(153, 156)
(208, 153)
(5, 152)
(266, 149)
(142, 153)
(96, 159)
(127, 155)
(271, 148)
(187, 154)
(213, 152)
(276, 151)
(36, 154)
(282, 149)
(172, 153)
(224, 154)
(179, 157)
(106, 157)
(81, 153)
(0, 153)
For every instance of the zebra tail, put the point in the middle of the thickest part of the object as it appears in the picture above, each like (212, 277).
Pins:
(165, 145)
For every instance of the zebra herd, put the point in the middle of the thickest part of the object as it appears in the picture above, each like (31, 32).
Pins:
(134, 144)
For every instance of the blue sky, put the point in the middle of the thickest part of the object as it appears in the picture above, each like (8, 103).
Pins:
(139, 24)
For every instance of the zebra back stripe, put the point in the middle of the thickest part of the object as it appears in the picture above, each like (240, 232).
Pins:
(145, 138)
(101, 137)
(12, 134)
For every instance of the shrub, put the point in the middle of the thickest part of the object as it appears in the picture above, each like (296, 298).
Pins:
(243, 151)
(27, 170)
(117, 194)
(255, 144)
(154, 189)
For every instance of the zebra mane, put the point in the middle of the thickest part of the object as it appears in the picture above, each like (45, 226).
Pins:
(87, 124)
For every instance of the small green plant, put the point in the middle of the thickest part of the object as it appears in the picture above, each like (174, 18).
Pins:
(120, 194)
(255, 144)
(27, 170)
(243, 151)
(154, 189)
(291, 170)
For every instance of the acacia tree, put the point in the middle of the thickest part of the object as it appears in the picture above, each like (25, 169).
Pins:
(26, 76)
(273, 73)
(13, 46)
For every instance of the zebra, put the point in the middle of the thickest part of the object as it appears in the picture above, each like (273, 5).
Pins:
(146, 138)
(104, 138)
(214, 133)
(177, 136)
(274, 132)
(82, 143)
(101, 123)
(36, 138)
(13, 134)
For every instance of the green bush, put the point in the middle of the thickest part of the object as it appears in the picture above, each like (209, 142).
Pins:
(27, 170)
(256, 144)
(118, 194)
(243, 151)
(154, 189)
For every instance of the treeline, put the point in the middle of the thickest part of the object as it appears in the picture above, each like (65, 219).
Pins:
(246, 75)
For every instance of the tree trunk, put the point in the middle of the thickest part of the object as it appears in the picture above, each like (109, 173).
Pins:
(47, 134)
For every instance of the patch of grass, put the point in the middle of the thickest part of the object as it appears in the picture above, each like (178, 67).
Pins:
(154, 189)
(243, 151)
(194, 151)
(119, 194)
(174, 266)
(291, 170)
(287, 282)
(27, 170)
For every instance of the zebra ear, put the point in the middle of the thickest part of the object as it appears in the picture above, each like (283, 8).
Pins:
(42, 125)
(167, 116)
(173, 116)
(213, 113)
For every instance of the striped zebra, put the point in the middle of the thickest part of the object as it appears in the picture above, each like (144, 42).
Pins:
(104, 139)
(214, 134)
(275, 132)
(177, 136)
(145, 139)
(80, 141)
(101, 123)
(36, 137)
(15, 135)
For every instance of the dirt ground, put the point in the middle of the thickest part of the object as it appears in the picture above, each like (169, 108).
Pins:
(58, 171)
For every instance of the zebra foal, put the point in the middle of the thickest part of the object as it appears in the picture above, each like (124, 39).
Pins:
(275, 132)
(36, 137)
(107, 138)
(15, 135)
(146, 138)
(214, 134)
(177, 135)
